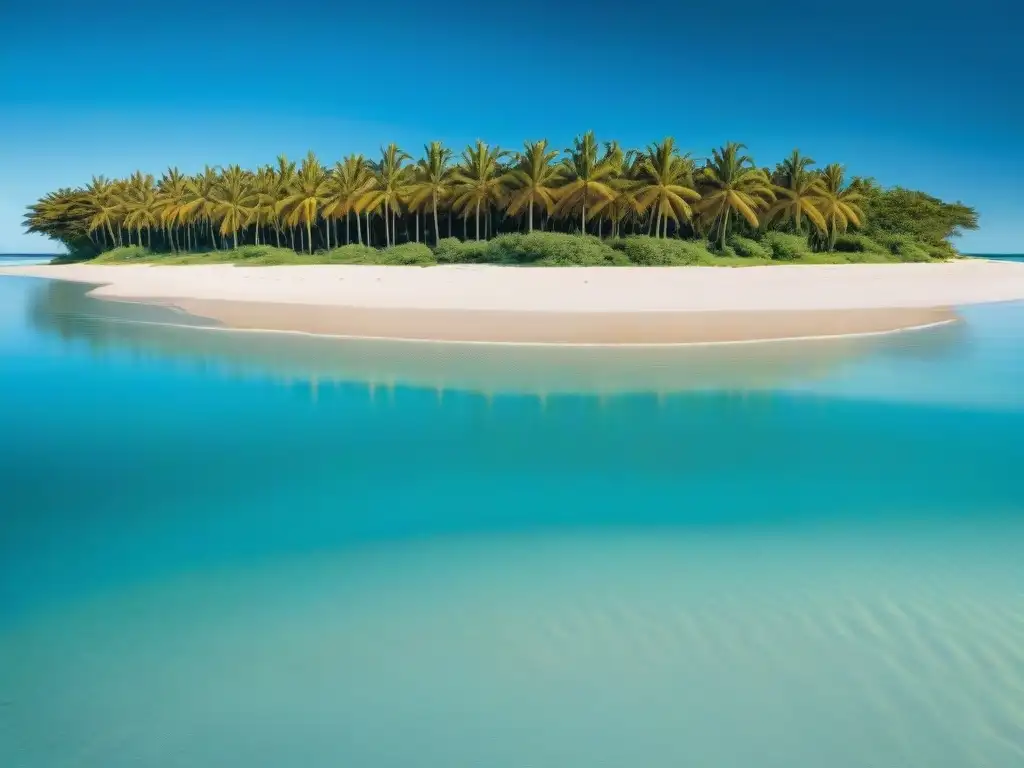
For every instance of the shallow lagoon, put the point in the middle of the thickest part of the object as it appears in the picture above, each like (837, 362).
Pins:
(256, 550)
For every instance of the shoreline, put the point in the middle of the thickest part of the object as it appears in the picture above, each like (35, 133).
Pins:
(551, 329)
(639, 306)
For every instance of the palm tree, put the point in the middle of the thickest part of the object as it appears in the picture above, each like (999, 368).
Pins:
(390, 189)
(800, 191)
(839, 203)
(534, 181)
(665, 185)
(141, 206)
(433, 180)
(235, 203)
(731, 182)
(104, 206)
(200, 201)
(62, 215)
(352, 180)
(270, 190)
(286, 179)
(172, 195)
(479, 180)
(588, 178)
(302, 200)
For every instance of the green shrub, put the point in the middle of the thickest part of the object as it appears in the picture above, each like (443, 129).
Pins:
(640, 250)
(941, 251)
(853, 243)
(785, 247)
(408, 254)
(905, 247)
(451, 250)
(751, 249)
(552, 248)
(353, 254)
(263, 255)
(662, 252)
(125, 253)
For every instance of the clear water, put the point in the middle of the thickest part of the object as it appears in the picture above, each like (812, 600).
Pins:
(224, 549)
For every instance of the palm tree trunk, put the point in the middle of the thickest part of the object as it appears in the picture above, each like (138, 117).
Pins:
(328, 230)
(368, 238)
(348, 227)
(530, 225)
(724, 226)
(234, 237)
(437, 228)
(359, 231)
(387, 231)
(478, 220)
(277, 233)
(309, 232)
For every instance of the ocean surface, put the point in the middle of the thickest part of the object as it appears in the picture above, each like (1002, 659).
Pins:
(256, 550)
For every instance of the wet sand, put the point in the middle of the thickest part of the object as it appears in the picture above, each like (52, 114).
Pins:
(535, 327)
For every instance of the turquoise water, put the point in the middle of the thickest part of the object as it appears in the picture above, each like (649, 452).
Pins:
(224, 549)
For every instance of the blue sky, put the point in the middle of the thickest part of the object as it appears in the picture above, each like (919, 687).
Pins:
(922, 94)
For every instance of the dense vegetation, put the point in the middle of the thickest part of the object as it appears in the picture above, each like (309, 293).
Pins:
(591, 204)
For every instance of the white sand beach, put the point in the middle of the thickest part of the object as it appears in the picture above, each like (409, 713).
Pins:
(561, 305)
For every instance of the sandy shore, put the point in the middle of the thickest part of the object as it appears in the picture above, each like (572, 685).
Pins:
(572, 305)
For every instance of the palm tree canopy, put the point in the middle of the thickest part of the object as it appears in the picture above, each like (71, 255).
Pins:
(731, 182)
(799, 191)
(479, 178)
(432, 176)
(588, 177)
(840, 203)
(305, 195)
(392, 180)
(664, 181)
(534, 180)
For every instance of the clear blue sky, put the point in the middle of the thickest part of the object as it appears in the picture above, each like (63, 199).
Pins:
(923, 94)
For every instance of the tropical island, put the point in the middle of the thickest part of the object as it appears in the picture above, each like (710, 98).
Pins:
(352, 241)
(593, 204)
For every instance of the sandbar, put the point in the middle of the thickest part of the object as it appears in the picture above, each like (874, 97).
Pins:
(544, 305)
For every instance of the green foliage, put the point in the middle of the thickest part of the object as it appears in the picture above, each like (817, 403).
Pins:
(451, 250)
(666, 252)
(785, 247)
(905, 247)
(406, 254)
(850, 243)
(125, 254)
(601, 189)
(352, 254)
(553, 249)
(750, 249)
(915, 214)
(409, 254)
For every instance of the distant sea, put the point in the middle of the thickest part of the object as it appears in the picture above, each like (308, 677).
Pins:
(9, 259)
(1000, 256)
